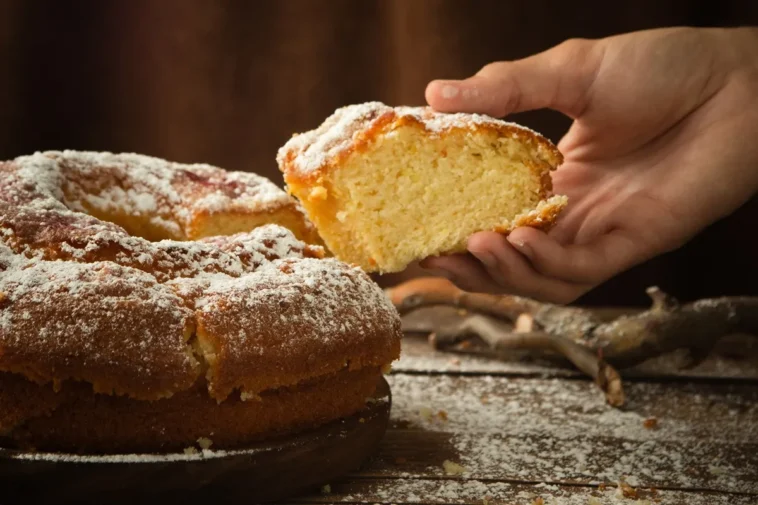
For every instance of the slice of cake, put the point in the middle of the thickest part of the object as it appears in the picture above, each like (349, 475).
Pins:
(386, 186)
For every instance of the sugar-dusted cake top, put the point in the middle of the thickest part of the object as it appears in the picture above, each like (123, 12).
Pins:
(82, 299)
(309, 152)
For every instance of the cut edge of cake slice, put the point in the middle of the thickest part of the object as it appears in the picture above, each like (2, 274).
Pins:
(388, 186)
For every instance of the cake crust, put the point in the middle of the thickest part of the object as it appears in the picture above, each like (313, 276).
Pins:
(309, 156)
(76, 420)
(85, 306)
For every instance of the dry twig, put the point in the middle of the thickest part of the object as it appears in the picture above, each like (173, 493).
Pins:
(593, 345)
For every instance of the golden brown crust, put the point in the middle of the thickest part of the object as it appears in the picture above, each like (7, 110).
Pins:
(76, 420)
(81, 299)
(542, 218)
(303, 162)
(301, 327)
(111, 326)
(22, 399)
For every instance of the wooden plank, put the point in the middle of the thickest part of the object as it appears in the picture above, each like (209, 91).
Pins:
(725, 362)
(459, 491)
(418, 356)
(561, 432)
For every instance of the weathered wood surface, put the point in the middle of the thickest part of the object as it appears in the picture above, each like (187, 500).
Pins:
(519, 438)
(473, 492)
(265, 471)
(559, 431)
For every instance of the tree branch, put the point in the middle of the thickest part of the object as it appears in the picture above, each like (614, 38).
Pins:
(578, 334)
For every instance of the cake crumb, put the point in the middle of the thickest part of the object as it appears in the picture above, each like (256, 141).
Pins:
(650, 423)
(245, 396)
(452, 468)
(326, 489)
(318, 193)
(538, 501)
(524, 323)
(426, 413)
(189, 451)
(204, 443)
(442, 415)
(626, 490)
(362, 420)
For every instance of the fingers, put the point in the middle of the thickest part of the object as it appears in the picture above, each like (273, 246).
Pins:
(499, 268)
(463, 270)
(530, 263)
(590, 263)
(512, 271)
(559, 78)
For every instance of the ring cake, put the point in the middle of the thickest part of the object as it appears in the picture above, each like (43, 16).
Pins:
(145, 305)
(386, 186)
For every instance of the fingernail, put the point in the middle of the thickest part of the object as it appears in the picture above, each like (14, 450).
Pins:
(522, 246)
(449, 91)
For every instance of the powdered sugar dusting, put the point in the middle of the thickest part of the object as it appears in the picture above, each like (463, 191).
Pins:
(310, 313)
(327, 280)
(311, 151)
(171, 194)
(561, 431)
(69, 282)
(399, 491)
(96, 322)
(44, 197)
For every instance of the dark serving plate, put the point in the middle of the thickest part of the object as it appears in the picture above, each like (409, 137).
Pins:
(274, 470)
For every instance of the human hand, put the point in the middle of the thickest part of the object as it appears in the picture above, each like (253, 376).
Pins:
(664, 142)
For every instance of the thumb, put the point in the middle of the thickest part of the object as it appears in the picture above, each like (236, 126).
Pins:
(559, 79)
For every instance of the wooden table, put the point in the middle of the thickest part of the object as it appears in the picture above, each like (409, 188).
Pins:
(476, 430)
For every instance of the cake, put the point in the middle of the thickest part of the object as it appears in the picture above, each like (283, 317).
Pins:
(146, 304)
(387, 186)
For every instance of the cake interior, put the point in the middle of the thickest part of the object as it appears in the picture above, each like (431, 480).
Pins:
(410, 196)
(156, 227)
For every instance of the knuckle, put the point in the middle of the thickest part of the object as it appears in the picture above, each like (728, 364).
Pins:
(491, 69)
(574, 45)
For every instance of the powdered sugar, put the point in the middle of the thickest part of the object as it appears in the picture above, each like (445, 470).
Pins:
(561, 431)
(309, 152)
(430, 491)
(85, 300)
(170, 194)
(96, 322)
(313, 314)
(313, 149)
(438, 122)
(36, 223)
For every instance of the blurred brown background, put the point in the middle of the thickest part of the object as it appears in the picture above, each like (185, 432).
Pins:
(227, 82)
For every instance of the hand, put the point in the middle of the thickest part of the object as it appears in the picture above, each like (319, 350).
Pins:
(664, 142)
